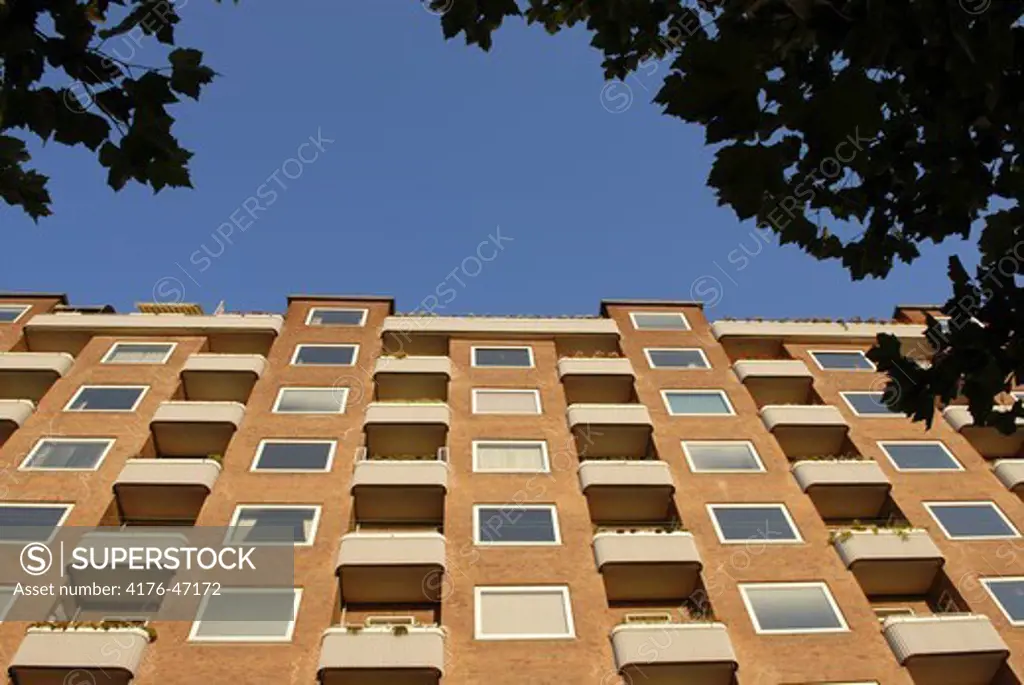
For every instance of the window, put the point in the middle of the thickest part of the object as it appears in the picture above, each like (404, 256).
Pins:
(31, 522)
(842, 361)
(722, 456)
(336, 316)
(516, 357)
(659, 321)
(107, 398)
(247, 615)
(676, 358)
(10, 313)
(311, 401)
(920, 456)
(868, 404)
(72, 454)
(6, 601)
(971, 520)
(325, 355)
(1009, 595)
(506, 401)
(792, 608)
(697, 402)
(294, 455)
(753, 523)
(139, 353)
(510, 456)
(515, 524)
(273, 524)
(535, 612)
(882, 613)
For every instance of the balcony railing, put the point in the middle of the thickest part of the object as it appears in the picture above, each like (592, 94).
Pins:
(13, 413)
(611, 429)
(412, 655)
(627, 490)
(988, 441)
(29, 375)
(405, 488)
(375, 567)
(221, 377)
(806, 430)
(647, 566)
(60, 654)
(190, 429)
(890, 562)
(775, 381)
(674, 653)
(1010, 473)
(163, 490)
(844, 489)
(964, 649)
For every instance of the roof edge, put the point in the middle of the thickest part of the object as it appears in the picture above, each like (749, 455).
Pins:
(62, 297)
(647, 303)
(345, 298)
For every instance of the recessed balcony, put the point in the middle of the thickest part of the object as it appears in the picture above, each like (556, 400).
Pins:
(989, 442)
(775, 381)
(647, 566)
(399, 489)
(164, 490)
(627, 490)
(888, 562)
(1010, 473)
(221, 377)
(406, 378)
(412, 655)
(844, 489)
(611, 430)
(65, 655)
(195, 429)
(13, 413)
(380, 567)
(597, 380)
(406, 427)
(29, 375)
(806, 430)
(685, 653)
(960, 649)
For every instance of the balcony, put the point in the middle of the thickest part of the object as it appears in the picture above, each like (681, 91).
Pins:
(194, 429)
(761, 338)
(685, 653)
(628, 490)
(1010, 473)
(647, 566)
(500, 326)
(164, 490)
(227, 333)
(609, 430)
(597, 380)
(391, 567)
(399, 378)
(29, 375)
(382, 656)
(890, 562)
(221, 377)
(397, 490)
(989, 442)
(51, 656)
(806, 430)
(99, 543)
(775, 381)
(406, 427)
(952, 649)
(13, 413)
(844, 489)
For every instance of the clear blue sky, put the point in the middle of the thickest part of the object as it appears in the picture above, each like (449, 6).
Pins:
(435, 145)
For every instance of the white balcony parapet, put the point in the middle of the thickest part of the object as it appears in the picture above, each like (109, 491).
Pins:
(497, 325)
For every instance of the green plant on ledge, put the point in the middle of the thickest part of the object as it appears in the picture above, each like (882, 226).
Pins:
(834, 457)
(60, 626)
(901, 530)
(353, 629)
(219, 458)
(399, 630)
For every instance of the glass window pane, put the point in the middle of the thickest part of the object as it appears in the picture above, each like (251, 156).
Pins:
(67, 454)
(725, 456)
(911, 456)
(241, 613)
(105, 399)
(869, 403)
(843, 361)
(660, 321)
(29, 524)
(6, 600)
(754, 523)
(792, 608)
(515, 524)
(502, 356)
(306, 456)
(677, 359)
(510, 456)
(312, 400)
(1010, 595)
(337, 317)
(697, 403)
(325, 355)
(137, 353)
(10, 313)
(972, 520)
(257, 525)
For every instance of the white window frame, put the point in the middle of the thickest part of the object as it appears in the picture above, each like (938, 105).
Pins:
(513, 506)
(39, 443)
(313, 310)
(15, 305)
(543, 449)
(711, 507)
(844, 627)
(113, 348)
(282, 389)
(681, 315)
(83, 388)
(299, 346)
(473, 349)
(853, 410)
(253, 468)
(996, 580)
(192, 633)
(562, 590)
(698, 350)
(999, 512)
(39, 505)
(313, 526)
(535, 391)
(956, 462)
(813, 354)
(693, 468)
(728, 403)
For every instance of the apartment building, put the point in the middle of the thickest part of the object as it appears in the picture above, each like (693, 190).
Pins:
(642, 496)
